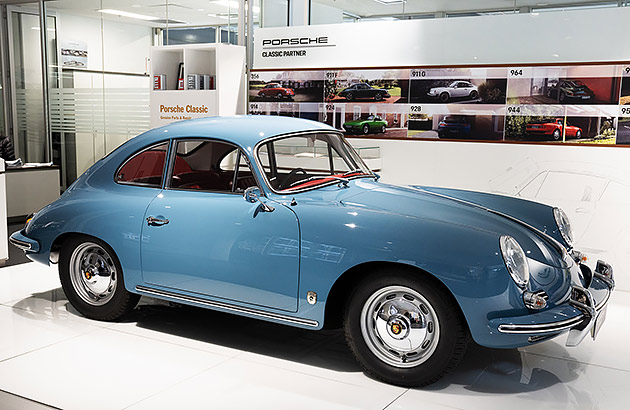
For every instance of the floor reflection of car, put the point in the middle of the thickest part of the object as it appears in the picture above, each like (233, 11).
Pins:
(371, 124)
(456, 89)
(570, 89)
(363, 91)
(275, 90)
(553, 129)
(454, 125)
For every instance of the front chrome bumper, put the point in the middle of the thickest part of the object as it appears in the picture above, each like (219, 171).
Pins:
(19, 240)
(583, 313)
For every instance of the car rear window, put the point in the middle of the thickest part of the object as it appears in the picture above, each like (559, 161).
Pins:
(145, 168)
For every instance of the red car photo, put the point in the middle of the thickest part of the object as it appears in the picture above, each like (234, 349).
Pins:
(553, 129)
(275, 90)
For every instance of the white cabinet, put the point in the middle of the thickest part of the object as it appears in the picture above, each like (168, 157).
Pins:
(223, 62)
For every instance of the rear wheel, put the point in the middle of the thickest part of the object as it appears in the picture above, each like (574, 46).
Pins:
(349, 96)
(404, 330)
(473, 95)
(91, 277)
(382, 129)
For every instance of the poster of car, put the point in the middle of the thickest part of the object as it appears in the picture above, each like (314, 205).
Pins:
(456, 127)
(368, 119)
(570, 129)
(458, 86)
(380, 86)
(589, 85)
(294, 86)
(74, 54)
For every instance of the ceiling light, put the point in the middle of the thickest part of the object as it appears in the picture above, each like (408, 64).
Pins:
(388, 2)
(217, 16)
(121, 13)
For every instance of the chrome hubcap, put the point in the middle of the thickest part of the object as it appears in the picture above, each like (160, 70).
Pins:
(400, 326)
(93, 274)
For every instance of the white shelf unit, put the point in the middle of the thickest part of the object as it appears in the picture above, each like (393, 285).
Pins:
(226, 63)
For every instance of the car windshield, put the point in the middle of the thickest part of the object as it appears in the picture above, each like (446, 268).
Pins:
(455, 120)
(308, 161)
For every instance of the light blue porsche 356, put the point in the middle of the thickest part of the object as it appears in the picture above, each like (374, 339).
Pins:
(280, 219)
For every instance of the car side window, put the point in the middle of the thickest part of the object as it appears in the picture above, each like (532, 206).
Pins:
(206, 165)
(145, 168)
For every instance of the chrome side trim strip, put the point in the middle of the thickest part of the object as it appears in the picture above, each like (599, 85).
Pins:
(25, 246)
(227, 306)
(541, 328)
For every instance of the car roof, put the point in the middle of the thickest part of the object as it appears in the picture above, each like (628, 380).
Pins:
(244, 130)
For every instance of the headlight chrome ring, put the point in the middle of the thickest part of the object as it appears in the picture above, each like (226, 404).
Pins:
(515, 260)
(564, 225)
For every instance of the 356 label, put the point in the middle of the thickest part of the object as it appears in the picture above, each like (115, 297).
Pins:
(254, 76)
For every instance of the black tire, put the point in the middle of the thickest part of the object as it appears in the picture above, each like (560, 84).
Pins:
(556, 135)
(578, 134)
(382, 129)
(349, 96)
(446, 333)
(474, 95)
(444, 97)
(118, 301)
(378, 97)
(365, 129)
(279, 96)
(562, 96)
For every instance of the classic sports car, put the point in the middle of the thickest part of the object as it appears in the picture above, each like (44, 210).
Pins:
(275, 90)
(363, 91)
(279, 219)
(456, 89)
(373, 123)
(454, 125)
(570, 89)
(553, 129)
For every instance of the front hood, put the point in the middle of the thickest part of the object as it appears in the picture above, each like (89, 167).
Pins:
(526, 221)
(353, 123)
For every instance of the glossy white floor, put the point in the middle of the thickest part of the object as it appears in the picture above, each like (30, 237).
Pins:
(179, 357)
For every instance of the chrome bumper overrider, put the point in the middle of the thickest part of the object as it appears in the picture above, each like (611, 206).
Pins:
(589, 320)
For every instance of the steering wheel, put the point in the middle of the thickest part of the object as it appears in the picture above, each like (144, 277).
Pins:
(291, 174)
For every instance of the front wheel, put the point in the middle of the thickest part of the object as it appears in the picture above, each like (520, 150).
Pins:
(404, 329)
(578, 134)
(91, 277)
(366, 129)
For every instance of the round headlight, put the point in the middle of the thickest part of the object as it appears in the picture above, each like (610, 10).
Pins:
(564, 226)
(515, 260)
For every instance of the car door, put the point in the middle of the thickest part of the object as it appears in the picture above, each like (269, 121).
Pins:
(201, 237)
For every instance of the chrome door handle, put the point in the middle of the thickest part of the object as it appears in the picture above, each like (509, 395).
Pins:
(151, 221)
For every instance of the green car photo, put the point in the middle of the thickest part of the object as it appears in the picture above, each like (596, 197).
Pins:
(371, 124)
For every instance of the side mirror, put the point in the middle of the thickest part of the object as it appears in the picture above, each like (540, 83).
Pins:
(252, 195)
